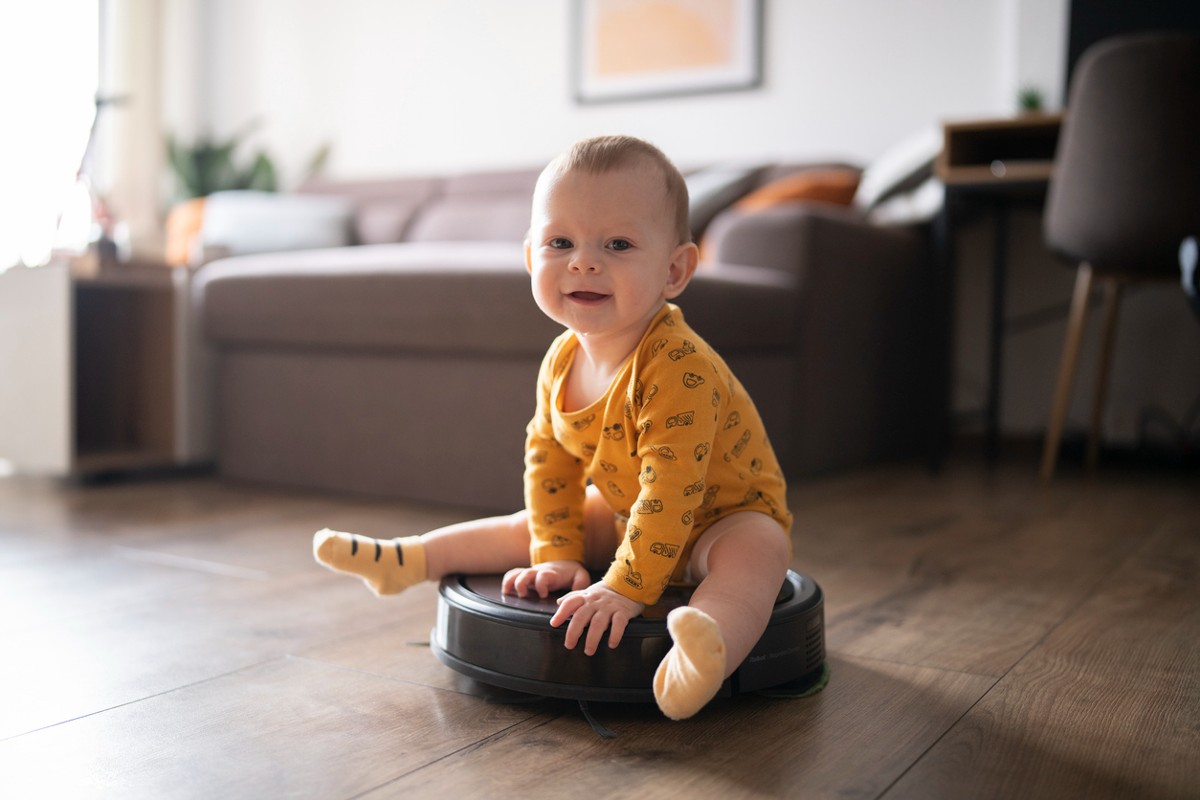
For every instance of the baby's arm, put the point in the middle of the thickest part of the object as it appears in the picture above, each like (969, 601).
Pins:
(554, 486)
(597, 608)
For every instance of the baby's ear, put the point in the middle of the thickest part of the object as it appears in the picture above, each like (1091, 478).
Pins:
(683, 267)
(528, 256)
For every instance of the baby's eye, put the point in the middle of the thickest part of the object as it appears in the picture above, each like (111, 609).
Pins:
(559, 243)
(620, 245)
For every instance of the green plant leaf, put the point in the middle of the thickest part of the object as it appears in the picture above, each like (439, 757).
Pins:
(316, 164)
(209, 165)
(261, 176)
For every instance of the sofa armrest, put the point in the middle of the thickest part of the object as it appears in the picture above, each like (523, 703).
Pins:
(786, 237)
(863, 327)
(741, 309)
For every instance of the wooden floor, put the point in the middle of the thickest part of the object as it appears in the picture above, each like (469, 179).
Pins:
(988, 637)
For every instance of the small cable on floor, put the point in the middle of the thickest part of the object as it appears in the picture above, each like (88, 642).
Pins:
(601, 731)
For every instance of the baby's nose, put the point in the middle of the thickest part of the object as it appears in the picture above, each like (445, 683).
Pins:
(585, 262)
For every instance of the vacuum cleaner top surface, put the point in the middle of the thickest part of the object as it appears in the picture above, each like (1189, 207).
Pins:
(507, 641)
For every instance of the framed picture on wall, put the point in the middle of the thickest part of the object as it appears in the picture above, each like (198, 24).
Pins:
(637, 49)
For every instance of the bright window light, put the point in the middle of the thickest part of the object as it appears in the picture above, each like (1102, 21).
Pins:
(51, 59)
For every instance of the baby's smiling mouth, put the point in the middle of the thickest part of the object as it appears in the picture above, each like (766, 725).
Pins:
(588, 297)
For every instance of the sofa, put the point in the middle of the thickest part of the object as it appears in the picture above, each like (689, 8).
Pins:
(397, 357)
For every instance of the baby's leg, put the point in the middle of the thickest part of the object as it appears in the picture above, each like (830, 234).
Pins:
(740, 562)
(478, 547)
(389, 566)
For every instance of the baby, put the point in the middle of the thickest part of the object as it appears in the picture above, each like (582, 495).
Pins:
(645, 459)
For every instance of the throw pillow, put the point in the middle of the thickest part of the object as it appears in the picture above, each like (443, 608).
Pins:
(823, 185)
(835, 185)
(261, 222)
(903, 167)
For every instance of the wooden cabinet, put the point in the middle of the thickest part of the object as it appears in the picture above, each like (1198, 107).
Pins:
(997, 151)
(92, 372)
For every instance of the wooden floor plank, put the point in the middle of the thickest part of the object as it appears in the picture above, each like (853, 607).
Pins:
(915, 574)
(289, 728)
(812, 747)
(398, 647)
(1107, 707)
(96, 660)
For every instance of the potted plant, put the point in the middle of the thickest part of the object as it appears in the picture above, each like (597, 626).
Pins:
(1030, 100)
(212, 165)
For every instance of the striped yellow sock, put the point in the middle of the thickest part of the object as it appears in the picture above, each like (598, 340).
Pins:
(387, 566)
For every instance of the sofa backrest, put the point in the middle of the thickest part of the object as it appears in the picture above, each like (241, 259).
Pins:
(482, 206)
(384, 209)
(485, 206)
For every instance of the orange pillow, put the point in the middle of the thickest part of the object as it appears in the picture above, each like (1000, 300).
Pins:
(183, 229)
(827, 185)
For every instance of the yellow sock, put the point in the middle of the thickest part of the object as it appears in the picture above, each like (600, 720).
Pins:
(387, 566)
(694, 669)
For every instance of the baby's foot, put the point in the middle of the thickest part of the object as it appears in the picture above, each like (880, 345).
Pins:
(694, 669)
(387, 566)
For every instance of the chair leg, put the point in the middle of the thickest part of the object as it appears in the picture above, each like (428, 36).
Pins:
(1112, 299)
(1067, 368)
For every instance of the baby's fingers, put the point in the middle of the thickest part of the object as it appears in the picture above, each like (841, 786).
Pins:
(617, 630)
(581, 581)
(518, 581)
(545, 582)
(596, 629)
(509, 585)
(584, 618)
(567, 606)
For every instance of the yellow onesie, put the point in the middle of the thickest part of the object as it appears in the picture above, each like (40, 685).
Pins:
(674, 445)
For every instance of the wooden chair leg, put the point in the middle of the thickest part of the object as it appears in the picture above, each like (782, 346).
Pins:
(1067, 368)
(1112, 299)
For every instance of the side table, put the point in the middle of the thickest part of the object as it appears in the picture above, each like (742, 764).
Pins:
(92, 372)
(991, 165)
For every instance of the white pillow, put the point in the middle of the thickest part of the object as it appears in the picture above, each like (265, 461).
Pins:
(902, 168)
(261, 222)
(910, 208)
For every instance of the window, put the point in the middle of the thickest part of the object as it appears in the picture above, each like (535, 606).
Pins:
(53, 64)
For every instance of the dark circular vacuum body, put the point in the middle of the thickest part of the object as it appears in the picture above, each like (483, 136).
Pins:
(507, 641)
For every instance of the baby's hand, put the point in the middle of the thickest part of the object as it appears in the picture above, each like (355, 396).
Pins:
(597, 608)
(545, 578)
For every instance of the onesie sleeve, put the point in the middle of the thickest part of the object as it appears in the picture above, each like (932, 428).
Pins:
(554, 481)
(675, 398)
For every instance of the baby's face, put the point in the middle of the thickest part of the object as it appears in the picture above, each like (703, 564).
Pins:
(603, 253)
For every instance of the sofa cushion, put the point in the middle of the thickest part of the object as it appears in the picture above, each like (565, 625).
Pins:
(472, 218)
(406, 297)
(384, 210)
(477, 207)
(467, 297)
(384, 221)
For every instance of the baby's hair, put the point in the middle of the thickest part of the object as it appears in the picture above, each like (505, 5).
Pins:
(601, 154)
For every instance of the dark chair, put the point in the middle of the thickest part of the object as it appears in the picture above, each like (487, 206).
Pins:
(1125, 190)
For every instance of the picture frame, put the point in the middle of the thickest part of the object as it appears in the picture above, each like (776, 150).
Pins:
(644, 49)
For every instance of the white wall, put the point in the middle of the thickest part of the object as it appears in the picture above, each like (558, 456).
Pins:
(408, 86)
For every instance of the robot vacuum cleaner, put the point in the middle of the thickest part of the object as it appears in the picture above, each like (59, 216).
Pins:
(507, 641)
